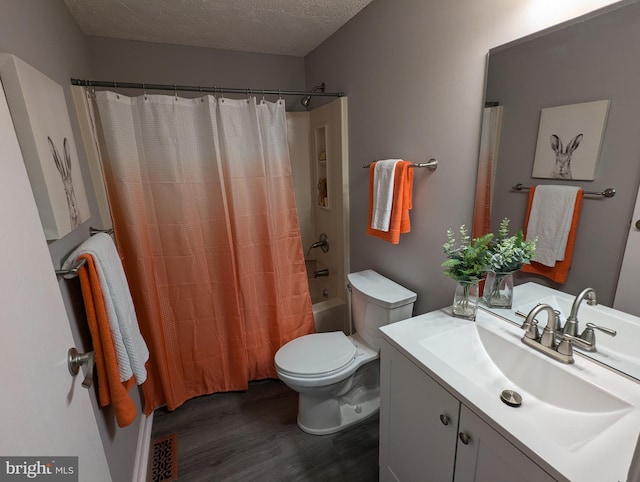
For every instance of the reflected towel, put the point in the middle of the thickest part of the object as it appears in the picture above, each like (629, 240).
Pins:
(402, 203)
(130, 348)
(549, 221)
(383, 177)
(560, 270)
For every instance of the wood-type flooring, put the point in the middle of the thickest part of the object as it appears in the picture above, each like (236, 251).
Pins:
(252, 435)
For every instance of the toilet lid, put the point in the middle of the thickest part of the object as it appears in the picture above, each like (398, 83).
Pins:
(316, 354)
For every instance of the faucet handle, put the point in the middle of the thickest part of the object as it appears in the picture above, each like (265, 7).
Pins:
(566, 344)
(532, 328)
(604, 329)
(589, 335)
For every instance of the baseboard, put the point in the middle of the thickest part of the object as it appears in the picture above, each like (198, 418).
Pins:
(141, 463)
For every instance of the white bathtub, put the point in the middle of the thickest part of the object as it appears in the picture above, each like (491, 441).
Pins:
(329, 310)
(330, 315)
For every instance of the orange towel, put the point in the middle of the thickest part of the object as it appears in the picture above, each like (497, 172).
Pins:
(402, 203)
(110, 388)
(560, 271)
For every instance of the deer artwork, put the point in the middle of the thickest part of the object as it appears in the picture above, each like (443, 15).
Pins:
(64, 168)
(562, 168)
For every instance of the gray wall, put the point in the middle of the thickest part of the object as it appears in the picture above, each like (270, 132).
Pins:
(43, 34)
(414, 73)
(586, 62)
(134, 61)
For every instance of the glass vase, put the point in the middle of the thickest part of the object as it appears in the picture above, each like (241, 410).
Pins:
(498, 290)
(465, 300)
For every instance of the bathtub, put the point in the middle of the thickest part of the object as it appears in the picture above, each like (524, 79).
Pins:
(330, 315)
(329, 309)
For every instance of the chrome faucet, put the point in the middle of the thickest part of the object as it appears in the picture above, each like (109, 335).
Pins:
(531, 325)
(546, 343)
(323, 243)
(320, 273)
(571, 326)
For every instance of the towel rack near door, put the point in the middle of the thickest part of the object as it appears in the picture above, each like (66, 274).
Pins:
(73, 271)
(93, 231)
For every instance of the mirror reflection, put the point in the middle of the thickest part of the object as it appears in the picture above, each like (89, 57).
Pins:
(586, 61)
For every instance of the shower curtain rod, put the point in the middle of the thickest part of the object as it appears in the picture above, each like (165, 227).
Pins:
(192, 88)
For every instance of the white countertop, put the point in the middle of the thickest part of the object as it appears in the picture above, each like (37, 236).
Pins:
(545, 433)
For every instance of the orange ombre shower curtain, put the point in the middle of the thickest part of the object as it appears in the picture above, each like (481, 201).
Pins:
(204, 214)
(487, 160)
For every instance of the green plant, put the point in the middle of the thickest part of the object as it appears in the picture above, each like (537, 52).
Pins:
(510, 253)
(468, 259)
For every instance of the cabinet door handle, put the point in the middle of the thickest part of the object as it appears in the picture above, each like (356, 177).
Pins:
(444, 419)
(464, 438)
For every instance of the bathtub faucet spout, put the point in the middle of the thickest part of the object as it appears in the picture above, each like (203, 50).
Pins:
(319, 273)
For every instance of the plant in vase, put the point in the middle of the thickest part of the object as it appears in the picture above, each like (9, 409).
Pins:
(466, 263)
(507, 254)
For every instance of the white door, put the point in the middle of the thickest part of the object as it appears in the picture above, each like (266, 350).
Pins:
(44, 411)
(627, 297)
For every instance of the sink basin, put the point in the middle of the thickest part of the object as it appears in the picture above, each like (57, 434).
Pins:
(578, 421)
(624, 344)
(556, 399)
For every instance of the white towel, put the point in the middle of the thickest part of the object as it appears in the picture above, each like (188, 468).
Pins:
(383, 179)
(131, 349)
(550, 221)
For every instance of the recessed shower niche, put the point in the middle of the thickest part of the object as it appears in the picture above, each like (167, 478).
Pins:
(322, 167)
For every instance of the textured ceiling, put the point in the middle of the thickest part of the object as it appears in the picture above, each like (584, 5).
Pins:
(287, 27)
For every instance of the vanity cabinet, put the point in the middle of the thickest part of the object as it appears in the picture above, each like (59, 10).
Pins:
(427, 434)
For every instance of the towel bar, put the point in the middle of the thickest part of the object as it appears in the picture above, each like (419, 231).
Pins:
(608, 192)
(431, 164)
(71, 272)
(93, 231)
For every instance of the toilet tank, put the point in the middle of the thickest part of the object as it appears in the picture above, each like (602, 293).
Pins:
(377, 301)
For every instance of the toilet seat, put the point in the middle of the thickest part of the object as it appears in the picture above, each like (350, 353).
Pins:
(316, 355)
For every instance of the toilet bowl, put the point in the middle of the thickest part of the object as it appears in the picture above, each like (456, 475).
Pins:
(338, 376)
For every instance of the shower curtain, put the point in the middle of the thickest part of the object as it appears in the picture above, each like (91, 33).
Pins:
(202, 202)
(489, 143)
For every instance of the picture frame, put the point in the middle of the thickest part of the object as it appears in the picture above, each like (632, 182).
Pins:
(41, 119)
(569, 141)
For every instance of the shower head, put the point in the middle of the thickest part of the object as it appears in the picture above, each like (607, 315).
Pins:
(307, 100)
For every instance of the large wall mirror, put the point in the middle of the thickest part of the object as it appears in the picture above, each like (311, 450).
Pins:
(592, 59)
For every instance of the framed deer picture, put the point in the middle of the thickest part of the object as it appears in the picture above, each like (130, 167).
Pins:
(569, 141)
(41, 119)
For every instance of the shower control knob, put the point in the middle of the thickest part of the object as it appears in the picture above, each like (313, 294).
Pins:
(444, 419)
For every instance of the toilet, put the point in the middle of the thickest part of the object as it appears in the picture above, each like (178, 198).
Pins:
(338, 376)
